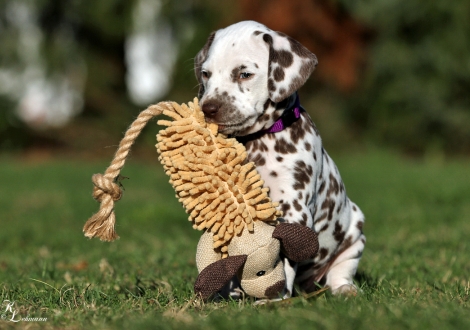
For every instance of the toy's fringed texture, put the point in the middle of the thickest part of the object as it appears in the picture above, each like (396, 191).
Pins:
(220, 191)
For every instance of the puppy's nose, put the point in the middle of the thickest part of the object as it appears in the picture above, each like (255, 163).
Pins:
(210, 109)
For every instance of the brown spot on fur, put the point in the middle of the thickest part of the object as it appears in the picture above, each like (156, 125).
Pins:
(266, 104)
(278, 74)
(339, 208)
(346, 243)
(299, 49)
(354, 208)
(338, 232)
(302, 174)
(328, 204)
(359, 225)
(296, 83)
(273, 174)
(283, 57)
(324, 227)
(322, 217)
(308, 147)
(262, 146)
(252, 145)
(284, 147)
(257, 32)
(235, 73)
(334, 186)
(259, 160)
(323, 253)
(322, 187)
(271, 85)
(300, 196)
(267, 38)
(285, 207)
(279, 159)
(296, 132)
(297, 205)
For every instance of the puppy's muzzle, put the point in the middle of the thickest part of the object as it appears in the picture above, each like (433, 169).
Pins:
(210, 109)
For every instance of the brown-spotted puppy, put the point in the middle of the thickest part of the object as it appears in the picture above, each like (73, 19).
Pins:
(248, 76)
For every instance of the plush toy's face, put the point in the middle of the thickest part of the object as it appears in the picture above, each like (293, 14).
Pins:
(262, 275)
(255, 258)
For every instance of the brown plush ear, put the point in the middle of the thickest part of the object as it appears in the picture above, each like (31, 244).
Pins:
(212, 278)
(199, 60)
(298, 242)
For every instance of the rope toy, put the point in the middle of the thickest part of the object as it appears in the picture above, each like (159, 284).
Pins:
(221, 192)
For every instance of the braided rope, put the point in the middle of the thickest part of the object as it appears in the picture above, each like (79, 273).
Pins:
(106, 189)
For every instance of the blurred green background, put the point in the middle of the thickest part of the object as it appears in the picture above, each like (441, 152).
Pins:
(392, 73)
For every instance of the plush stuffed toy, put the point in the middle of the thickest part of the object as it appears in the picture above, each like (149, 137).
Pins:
(255, 258)
(223, 195)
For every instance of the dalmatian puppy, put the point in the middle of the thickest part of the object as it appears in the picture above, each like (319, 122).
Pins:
(248, 77)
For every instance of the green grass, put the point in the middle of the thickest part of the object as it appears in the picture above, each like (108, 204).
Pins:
(414, 273)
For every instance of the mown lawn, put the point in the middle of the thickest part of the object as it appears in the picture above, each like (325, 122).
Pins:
(414, 273)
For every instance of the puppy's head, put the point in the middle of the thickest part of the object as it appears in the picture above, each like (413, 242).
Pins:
(244, 70)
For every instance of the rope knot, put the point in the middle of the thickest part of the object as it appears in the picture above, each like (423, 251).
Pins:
(105, 186)
(107, 189)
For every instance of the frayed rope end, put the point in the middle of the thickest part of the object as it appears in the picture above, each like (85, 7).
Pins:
(107, 188)
(101, 224)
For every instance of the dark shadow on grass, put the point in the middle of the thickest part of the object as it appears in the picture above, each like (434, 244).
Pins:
(365, 280)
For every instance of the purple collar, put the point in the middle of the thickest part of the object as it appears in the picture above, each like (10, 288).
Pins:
(288, 117)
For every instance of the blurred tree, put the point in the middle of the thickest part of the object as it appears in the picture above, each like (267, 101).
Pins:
(416, 88)
(73, 48)
(82, 45)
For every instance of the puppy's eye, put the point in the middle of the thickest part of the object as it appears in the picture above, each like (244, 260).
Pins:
(205, 74)
(260, 273)
(245, 75)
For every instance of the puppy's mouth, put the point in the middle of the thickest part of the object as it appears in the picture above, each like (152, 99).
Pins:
(233, 128)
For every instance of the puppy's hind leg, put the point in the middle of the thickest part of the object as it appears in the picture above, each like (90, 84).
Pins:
(340, 274)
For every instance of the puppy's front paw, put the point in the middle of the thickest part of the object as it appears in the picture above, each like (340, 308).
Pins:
(266, 301)
(347, 290)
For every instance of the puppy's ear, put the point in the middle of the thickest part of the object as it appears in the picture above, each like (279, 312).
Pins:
(213, 278)
(199, 59)
(290, 65)
(298, 242)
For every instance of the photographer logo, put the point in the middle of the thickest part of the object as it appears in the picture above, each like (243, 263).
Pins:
(10, 314)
